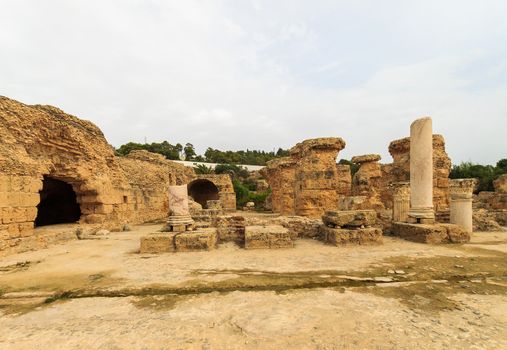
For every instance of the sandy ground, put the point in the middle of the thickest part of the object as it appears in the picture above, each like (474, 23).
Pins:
(103, 294)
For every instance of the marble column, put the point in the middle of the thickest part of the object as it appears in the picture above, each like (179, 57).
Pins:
(421, 172)
(461, 191)
(401, 201)
(179, 213)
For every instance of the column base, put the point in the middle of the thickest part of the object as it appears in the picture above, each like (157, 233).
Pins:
(421, 216)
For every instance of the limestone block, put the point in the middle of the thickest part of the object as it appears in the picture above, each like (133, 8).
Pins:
(231, 228)
(420, 232)
(5, 183)
(30, 213)
(95, 219)
(456, 234)
(271, 236)
(361, 236)
(4, 199)
(196, 240)
(25, 229)
(28, 199)
(352, 218)
(157, 243)
(103, 209)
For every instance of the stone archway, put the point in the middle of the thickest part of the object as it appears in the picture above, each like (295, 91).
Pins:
(202, 190)
(58, 203)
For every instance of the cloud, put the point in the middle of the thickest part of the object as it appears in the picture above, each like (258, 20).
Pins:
(263, 75)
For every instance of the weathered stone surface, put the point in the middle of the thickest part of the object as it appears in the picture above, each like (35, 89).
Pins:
(298, 226)
(205, 239)
(305, 183)
(344, 236)
(367, 181)
(421, 171)
(367, 158)
(399, 170)
(157, 243)
(485, 220)
(231, 228)
(456, 234)
(272, 236)
(433, 234)
(39, 141)
(420, 233)
(351, 218)
(500, 184)
(344, 180)
(222, 184)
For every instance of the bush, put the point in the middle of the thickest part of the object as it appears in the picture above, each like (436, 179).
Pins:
(485, 173)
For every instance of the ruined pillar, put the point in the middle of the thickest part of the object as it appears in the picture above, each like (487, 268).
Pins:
(461, 191)
(179, 213)
(421, 172)
(281, 175)
(316, 175)
(366, 181)
(401, 201)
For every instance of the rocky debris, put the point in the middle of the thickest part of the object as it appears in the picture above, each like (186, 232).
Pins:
(193, 206)
(249, 206)
(484, 220)
(344, 236)
(126, 228)
(267, 237)
(432, 234)
(351, 218)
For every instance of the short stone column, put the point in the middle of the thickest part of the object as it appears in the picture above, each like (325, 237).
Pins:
(461, 191)
(401, 201)
(179, 213)
(421, 172)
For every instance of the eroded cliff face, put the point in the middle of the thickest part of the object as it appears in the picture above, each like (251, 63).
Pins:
(42, 142)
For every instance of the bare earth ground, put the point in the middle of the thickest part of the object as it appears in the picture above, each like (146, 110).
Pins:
(103, 294)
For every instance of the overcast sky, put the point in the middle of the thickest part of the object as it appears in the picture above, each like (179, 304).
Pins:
(266, 74)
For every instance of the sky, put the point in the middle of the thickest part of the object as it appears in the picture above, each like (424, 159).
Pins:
(254, 74)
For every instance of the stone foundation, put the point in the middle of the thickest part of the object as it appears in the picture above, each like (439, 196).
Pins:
(267, 237)
(157, 243)
(433, 234)
(231, 228)
(350, 218)
(344, 236)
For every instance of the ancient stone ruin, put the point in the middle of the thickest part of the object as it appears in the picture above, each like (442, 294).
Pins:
(57, 169)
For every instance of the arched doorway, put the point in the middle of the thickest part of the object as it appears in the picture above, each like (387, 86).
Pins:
(57, 203)
(202, 190)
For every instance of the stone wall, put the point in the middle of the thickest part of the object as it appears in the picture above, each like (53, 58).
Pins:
(39, 141)
(226, 193)
(306, 183)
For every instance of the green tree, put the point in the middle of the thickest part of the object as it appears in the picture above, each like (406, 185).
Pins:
(189, 151)
(203, 169)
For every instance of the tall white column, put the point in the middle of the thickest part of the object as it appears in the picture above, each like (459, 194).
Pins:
(461, 191)
(421, 172)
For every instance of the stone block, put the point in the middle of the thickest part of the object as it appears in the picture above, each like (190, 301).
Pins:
(271, 236)
(5, 183)
(456, 234)
(350, 218)
(157, 243)
(359, 236)
(95, 219)
(420, 233)
(231, 228)
(28, 199)
(196, 240)
(4, 199)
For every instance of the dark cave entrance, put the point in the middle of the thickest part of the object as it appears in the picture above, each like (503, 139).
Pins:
(203, 190)
(58, 203)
